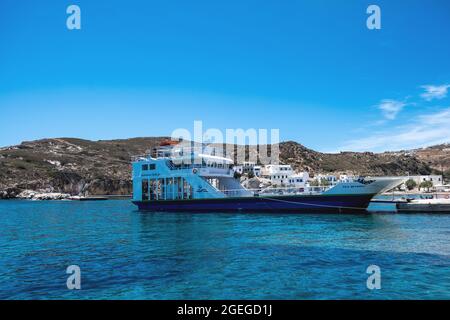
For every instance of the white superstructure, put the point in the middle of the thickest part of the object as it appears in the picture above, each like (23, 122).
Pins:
(178, 171)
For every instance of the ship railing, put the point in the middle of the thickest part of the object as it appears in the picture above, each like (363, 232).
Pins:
(277, 191)
(293, 190)
(176, 151)
(236, 192)
(172, 166)
(141, 157)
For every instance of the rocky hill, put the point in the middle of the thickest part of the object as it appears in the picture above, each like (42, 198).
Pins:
(77, 166)
(360, 163)
(70, 165)
(437, 157)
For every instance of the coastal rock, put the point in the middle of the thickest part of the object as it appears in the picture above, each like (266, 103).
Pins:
(256, 183)
(9, 193)
(35, 195)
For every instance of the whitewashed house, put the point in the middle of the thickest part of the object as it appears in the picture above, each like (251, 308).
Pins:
(346, 177)
(248, 167)
(331, 179)
(284, 175)
(436, 180)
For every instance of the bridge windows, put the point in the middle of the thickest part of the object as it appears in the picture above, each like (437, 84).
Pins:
(148, 166)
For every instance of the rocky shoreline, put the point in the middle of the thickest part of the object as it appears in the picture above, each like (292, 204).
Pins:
(34, 195)
(42, 195)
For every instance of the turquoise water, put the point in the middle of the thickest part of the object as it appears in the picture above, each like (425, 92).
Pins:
(125, 254)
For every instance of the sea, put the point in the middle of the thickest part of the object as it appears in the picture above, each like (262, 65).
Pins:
(122, 253)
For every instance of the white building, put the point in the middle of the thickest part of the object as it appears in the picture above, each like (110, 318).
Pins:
(239, 169)
(435, 179)
(248, 167)
(331, 179)
(346, 177)
(284, 175)
(257, 171)
(299, 180)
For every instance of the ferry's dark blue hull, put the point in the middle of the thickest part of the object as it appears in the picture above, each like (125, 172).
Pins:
(298, 203)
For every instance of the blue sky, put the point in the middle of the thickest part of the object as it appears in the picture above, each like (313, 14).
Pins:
(309, 68)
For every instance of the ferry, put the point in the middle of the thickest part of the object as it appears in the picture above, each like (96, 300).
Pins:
(175, 178)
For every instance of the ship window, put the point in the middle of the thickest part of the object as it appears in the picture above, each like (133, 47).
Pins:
(187, 190)
(145, 189)
(152, 166)
(169, 189)
(178, 187)
(144, 167)
(160, 192)
(153, 189)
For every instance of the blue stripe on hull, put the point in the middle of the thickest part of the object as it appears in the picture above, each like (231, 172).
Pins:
(320, 203)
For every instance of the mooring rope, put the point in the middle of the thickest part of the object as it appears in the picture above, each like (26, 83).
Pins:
(315, 205)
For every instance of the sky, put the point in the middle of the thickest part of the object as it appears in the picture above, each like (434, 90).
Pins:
(311, 69)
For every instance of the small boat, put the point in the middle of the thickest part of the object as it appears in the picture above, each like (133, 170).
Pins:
(93, 198)
(424, 206)
(174, 178)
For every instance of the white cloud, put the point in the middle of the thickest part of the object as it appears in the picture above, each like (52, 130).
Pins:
(424, 130)
(434, 92)
(391, 108)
